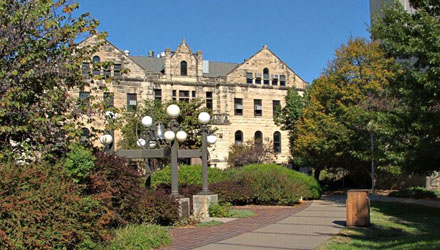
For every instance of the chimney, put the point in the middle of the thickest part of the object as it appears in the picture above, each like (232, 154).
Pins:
(150, 53)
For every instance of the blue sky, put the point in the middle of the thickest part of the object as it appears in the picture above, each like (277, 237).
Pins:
(303, 33)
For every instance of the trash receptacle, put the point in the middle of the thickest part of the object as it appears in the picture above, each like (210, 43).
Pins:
(358, 208)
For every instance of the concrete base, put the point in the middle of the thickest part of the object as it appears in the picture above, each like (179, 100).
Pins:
(201, 203)
(184, 207)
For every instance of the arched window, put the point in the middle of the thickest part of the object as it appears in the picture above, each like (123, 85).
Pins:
(183, 68)
(277, 142)
(266, 76)
(85, 135)
(258, 137)
(96, 69)
(238, 138)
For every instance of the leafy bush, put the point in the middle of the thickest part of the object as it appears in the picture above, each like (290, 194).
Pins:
(156, 206)
(187, 175)
(220, 210)
(140, 237)
(415, 193)
(79, 162)
(232, 192)
(250, 153)
(41, 208)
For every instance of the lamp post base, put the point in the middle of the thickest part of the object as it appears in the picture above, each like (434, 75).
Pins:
(201, 204)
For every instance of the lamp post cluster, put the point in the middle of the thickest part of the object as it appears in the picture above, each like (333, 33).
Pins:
(157, 141)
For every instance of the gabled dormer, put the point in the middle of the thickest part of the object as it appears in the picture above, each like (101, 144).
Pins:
(264, 68)
(183, 64)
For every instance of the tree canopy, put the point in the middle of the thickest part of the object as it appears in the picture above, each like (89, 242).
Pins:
(40, 62)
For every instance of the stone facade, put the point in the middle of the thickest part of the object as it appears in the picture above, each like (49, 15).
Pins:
(259, 82)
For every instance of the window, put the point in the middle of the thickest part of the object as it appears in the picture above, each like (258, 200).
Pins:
(274, 80)
(183, 68)
(107, 71)
(238, 106)
(157, 94)
(193, 94)
(174, 95)
(184, 96)
(249, 78)
(131, 102)
(258, 138)
(258, 107)
(277, 142)
(96, 69)
(238, 138)
(85, 69)
(282, 80)
(275, 105)
(108, 99)
(84, 98)
(257, 78)
(117, 70)
(266, 76)
(85, 135)
(209, 100)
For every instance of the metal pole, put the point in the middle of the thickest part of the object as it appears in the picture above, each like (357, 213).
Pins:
(174, 173)
(205, 184)
(372, 165)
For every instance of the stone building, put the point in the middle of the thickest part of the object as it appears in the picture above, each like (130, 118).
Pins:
(242, 96)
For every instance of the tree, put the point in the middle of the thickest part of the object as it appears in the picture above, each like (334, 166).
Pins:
(251, 152)
(40, 62)
(415, 40)
(288, 116)
(331, 132)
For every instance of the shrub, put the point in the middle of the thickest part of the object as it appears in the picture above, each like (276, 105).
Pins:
(220, 210)
(250, 153)
(158, 207)
(140, 237)
(232, 192)
(79, 162)
(187, 175)
(41, 208)
(416, 193)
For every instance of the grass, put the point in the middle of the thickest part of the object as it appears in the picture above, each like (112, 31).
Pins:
(240, 213)
(416, 193)
(209, 223)
(140, 237)
(394, 226)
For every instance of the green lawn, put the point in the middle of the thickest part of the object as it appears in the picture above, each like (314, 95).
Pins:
(394, 226)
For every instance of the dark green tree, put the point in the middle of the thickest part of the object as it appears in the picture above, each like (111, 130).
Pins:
(414, 39)
(39, 64)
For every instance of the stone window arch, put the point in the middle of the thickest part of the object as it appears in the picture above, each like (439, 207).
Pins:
(96, 69)
(183, 68)
(266, 76)
(258, 138)
(277, 142)
(238, 137)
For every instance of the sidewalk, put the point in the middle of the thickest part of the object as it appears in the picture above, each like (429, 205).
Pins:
(429, 203)
(301, 227)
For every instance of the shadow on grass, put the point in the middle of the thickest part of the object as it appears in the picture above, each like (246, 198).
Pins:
(398, 226)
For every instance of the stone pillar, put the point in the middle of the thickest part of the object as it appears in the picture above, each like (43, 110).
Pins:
(201, 204)
(199, 72)
(167, 63)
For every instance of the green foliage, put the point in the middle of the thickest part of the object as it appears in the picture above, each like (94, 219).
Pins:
(332, 132)
(415, 193)
(187, 175)
(41, 208)
(79, 162)
(40, 64)
(140, 237)
(158, 207)
(212, 223)
(220, 210)
(250, 153)
(414, 40)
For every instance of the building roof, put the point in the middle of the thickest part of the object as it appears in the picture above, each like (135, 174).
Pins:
(152, 64)
(155, 64)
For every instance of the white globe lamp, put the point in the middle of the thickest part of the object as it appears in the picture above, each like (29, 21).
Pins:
(169, 136)
(106, 139)
(211, 139)
(173, 111)
(152, 144)
(181, 136)
(204, 118)
(147, 121)
(140, 142)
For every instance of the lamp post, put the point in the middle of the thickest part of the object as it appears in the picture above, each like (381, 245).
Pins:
(370, 128)
(107, 139)
(204, 119)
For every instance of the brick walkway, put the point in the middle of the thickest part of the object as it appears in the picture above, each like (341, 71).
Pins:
(190, 238)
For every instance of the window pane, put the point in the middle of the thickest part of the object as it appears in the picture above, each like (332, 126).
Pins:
(238, 106)
(108, 99)
(117, 69)
(277, 142)
(258, 107)
(238, 137)
(131, 102)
